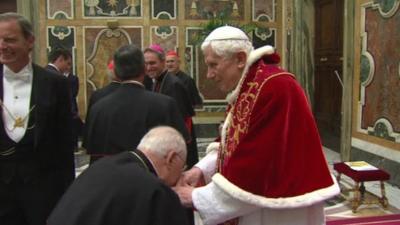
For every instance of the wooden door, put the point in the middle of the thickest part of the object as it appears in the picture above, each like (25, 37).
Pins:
(8, 6)
(328, 70)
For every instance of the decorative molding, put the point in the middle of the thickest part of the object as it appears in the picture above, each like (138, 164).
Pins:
(112, 8)
(60, 13)
(164, 14)
(263, 17)
(208, 9)
(376, 149)
(384, 129)
(121, 32)
(265, 33)
(387, 8)
(57, 32)
(164, 32)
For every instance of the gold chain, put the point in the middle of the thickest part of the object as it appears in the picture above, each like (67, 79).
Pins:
(18, 121)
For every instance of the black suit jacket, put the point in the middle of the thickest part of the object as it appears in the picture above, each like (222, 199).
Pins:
(73, 84)
(119, 120)
(102, 92)
(53, 145)
(95, 97)
(52, 69)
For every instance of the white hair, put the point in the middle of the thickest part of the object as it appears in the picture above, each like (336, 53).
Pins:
(226, 48)
(162, 139)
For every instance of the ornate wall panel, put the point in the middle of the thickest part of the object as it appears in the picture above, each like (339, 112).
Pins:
(195, 65)
(378, 78)
(62, 37)
(93, 29)
(100, 44)
(163, 9)
(60, 9)
(208, 9)
(264, 10)
(112, 8)
(264, 36)
(166, 36)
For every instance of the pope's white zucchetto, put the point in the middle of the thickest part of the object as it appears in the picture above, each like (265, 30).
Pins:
(226, 33)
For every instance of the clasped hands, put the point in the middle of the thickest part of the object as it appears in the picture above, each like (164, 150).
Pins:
(186, 184)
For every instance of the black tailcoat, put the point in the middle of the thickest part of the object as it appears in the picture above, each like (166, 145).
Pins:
(34, 177)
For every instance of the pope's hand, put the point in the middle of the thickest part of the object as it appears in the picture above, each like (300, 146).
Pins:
(185, 195)
(193, 177)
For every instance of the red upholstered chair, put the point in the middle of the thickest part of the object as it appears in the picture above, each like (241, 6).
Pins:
(360, 177)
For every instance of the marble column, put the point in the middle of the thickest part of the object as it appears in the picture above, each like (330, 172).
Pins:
(30, 9)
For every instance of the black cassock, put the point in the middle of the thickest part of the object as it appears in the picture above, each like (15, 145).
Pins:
(191, 88)
(119, 190)
(170, 85)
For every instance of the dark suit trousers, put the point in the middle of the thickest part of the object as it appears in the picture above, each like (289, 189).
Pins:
(28, 202)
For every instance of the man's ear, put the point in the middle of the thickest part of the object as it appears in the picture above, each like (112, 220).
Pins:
(31, 41)
(169, 158)
(241, 58)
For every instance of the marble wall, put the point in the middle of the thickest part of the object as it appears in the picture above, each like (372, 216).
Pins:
(93, 29)
(377, 81)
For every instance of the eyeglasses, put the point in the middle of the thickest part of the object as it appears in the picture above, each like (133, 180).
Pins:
(184, 164)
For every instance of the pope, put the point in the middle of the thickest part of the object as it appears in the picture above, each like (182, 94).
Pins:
(269, 167)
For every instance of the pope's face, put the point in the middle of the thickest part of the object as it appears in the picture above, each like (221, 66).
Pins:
(14, 46)
(225, 72)
(154, 65)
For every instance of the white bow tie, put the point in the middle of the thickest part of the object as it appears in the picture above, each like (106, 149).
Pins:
(11, 76)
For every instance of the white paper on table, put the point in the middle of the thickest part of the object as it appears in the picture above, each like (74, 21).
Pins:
(361, 166)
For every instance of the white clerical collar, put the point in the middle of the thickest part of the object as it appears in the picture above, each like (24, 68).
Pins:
(132, 82)
(24, 74)
(54, 66)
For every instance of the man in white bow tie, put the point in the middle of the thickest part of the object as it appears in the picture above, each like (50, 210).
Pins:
(36, 157)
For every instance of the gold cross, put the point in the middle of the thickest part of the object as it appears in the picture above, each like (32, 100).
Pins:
(19, 122)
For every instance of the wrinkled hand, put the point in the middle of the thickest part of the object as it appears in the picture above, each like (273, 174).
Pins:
(185, 195)
(193, 177)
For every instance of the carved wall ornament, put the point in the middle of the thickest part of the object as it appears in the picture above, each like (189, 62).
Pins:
(378, 107)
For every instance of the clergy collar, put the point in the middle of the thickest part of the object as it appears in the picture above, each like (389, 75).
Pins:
(146, 162)
(135, 82)
(24, 74)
